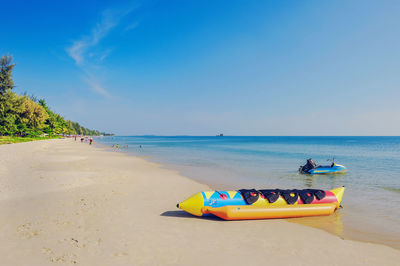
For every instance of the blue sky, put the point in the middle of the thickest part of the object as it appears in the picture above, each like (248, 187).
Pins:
(204, 67)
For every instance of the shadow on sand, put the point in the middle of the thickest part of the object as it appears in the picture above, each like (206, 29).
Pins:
(183, 214)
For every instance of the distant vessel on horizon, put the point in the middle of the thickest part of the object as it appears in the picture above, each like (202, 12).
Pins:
(220, 135)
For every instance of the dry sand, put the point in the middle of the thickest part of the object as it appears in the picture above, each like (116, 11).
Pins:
(63, 202)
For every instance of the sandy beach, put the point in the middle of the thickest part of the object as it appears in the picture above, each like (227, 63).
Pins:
(65, 202)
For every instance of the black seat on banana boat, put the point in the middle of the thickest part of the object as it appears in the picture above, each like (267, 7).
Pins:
(250, 195)
(306, 196)
(271, 195)
(290, 195)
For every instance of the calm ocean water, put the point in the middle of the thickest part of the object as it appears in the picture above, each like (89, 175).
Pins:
(372, 199)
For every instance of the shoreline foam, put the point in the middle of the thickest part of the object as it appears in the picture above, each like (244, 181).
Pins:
(67, 202)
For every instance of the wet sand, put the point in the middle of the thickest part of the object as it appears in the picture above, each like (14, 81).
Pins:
(343, 224)
(65, 202)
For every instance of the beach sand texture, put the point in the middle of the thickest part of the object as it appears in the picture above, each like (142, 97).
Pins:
(67, 203)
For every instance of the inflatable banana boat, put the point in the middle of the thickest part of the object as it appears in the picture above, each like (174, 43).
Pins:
(263, 204)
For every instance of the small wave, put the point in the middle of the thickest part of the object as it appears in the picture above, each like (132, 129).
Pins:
(392, 189)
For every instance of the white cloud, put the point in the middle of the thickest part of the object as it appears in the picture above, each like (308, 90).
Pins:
(131, 26)
(76, 51)
(81, 50)
(110, 18)
(96, 86)
(105, 54)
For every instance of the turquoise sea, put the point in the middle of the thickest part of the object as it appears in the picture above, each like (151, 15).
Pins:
(372, 199)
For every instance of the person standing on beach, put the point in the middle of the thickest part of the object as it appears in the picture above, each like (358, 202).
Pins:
(90, 141)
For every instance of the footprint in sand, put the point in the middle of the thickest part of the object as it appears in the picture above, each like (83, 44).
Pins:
(120, 254)
(76, 243)
(64, 258)
(26, 231)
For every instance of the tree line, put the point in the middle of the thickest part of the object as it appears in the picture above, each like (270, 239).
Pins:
(23, 115)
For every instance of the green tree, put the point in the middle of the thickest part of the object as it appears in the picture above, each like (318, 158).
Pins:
(6, 68)
(77, 127)
(11, 106)
(10, 103)
(26, 115)
(34, 115)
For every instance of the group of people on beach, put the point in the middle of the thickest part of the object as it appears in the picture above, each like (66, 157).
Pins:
(86, 139)
(90, 140)
(116, 146)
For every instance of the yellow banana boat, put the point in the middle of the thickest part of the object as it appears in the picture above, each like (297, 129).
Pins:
(263, 204)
